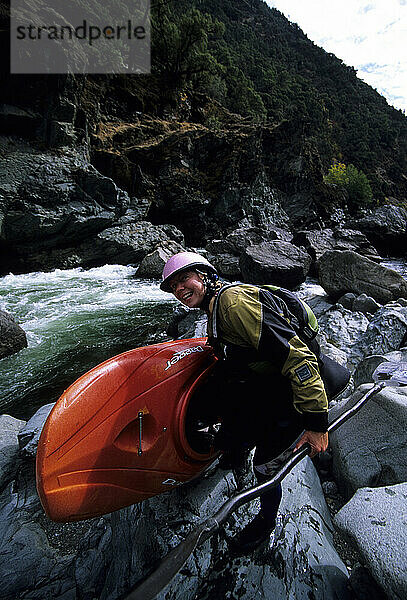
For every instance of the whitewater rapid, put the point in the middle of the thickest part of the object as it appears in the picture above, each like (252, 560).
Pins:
(74, 319)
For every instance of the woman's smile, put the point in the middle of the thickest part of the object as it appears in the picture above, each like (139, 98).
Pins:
(188, 288)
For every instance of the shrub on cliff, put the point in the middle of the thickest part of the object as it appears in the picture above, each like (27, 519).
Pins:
(353, 181)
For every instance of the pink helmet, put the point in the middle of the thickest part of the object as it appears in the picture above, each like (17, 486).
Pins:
(181, 262)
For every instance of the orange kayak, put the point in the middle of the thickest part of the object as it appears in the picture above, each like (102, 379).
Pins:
(119, 435)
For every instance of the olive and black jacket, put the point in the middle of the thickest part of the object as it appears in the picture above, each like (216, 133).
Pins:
(256, 327)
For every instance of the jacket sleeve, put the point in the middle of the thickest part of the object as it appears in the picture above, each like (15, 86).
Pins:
(262, 322)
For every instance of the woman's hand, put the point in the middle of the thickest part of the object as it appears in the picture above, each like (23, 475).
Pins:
(317, 440)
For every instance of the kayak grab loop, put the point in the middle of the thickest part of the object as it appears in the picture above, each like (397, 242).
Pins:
(140, 433)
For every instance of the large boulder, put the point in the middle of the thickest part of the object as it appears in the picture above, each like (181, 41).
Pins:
(341, 272)
(351, 336)
(12, 336)
(387, 330)
(224, 253)
(124, 244)
(340, 333)
(227, 265)
(278, 263)
(386, 228)
(318, 242)
(375, 521)
(29, 434)
(369, 449)
(152, 264)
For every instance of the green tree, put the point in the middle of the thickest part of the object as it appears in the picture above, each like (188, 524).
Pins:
(353, 181)
(180, 46)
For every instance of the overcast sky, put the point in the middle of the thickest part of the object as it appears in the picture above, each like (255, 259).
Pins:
(370, 36)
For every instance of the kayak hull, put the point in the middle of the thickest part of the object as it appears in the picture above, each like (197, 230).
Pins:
(118, 434)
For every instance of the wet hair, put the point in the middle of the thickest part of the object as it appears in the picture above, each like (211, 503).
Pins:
(213, 283)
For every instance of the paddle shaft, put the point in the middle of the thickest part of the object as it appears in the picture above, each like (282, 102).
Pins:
(178, 556)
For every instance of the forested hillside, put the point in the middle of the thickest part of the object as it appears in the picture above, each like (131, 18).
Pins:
(256, 63)
(242, 56)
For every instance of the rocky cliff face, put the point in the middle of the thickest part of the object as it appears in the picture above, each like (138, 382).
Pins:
(79, 158)
(204, 176)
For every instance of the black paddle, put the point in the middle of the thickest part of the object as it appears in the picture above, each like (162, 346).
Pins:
(389, 374)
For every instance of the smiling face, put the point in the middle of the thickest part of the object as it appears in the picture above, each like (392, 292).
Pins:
(188, 287)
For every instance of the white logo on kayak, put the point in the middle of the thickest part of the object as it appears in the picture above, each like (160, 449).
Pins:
(182, 354)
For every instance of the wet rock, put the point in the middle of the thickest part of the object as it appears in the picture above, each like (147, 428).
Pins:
(319, 304)
(308, 532)
(347, 300)
(362, 303)
(12, 336)
(363, 585)
(30, 434)
(317, 243)
(340, 334)
(153, 263)
(34, 562)
(127, 244)
(243, 237)
(51, 201)
(9, 428)
(187, 323)
(386, 228)
(342, 272)
(374, 520)
(365, 304)
(277, 263)
(224, 253)
(387, 329)
(369, 449)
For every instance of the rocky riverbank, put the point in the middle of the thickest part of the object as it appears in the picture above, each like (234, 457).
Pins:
(362, 548)
(252, 197)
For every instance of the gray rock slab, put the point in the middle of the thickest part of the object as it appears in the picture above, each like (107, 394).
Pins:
(305, 543)
(342, 272)
(386, 330)
(30, 434)
(299, 561)
(9, 428)
(376, 522)
(369, 449)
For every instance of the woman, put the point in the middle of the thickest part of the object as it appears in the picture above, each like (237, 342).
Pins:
(270, 386)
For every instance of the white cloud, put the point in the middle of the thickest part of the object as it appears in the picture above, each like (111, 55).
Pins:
(370, 36)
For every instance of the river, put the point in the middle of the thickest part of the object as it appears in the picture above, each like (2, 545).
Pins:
(74, 319)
